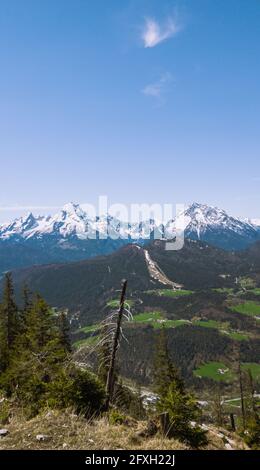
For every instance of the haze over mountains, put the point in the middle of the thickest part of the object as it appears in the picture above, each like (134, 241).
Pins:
(71, 235)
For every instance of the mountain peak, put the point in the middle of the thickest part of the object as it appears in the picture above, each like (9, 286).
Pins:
(202, 222)
(205, 208)
(70, 207)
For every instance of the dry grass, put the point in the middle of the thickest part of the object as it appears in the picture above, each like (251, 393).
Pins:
(65, 430)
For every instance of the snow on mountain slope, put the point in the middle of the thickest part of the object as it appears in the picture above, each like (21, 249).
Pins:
(216, 227)
(72, 220)
(23, 226)
(255, 222)
(203, 217)
(200, 222)
(157, 273)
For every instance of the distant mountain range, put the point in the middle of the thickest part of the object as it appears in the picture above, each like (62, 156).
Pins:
(71, 235)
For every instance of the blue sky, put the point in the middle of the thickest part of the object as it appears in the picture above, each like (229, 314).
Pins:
(140, 100)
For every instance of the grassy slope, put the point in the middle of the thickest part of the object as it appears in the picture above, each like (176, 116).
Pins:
(255, 291)
(170, 292)
(211, 370)
(249, 307)
(65, 430)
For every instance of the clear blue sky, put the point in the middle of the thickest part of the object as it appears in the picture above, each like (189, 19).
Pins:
(140, 100)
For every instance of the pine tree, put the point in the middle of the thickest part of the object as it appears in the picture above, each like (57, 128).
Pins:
(164, 370)
(64, 331)
(27, 305)
(38, 371)
(217, 407)
(9, 322)
(39, 324)
(177, 407)
(10, 311)
(3, 341)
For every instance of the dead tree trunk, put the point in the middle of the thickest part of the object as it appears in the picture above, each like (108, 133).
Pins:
(241, 395)
(116, 340)
(165, 424)
(232, 422)
(252, 393)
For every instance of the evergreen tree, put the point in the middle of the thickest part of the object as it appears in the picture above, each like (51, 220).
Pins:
(174, 402)
(252, 437)
(164, 370)
(250, 402)
(64, 331)
(217, 406)
(9, 322)
(3, 341)
(27, 305)
(40, 324)
(38, 371)
(10, 311)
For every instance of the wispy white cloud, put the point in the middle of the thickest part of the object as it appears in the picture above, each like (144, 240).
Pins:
(158, 88)
(155, 33)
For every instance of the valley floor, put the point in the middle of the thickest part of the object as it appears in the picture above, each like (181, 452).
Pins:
(63, 430)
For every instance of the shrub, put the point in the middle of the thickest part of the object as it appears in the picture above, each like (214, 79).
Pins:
(252, 439)
(182, 410)
(26, 385)
(115, 417)
(128, 402)
(180, 406)
(4, 412)
(78, 388)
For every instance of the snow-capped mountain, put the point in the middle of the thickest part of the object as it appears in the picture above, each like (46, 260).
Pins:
(218, 228)
(202, 217)
(72, 235)
(200, 221)
(255, 222)
(73, 221)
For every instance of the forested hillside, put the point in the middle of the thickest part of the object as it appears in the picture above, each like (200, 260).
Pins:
(40, 368)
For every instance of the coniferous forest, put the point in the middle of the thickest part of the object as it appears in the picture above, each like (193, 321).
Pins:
(42, 372)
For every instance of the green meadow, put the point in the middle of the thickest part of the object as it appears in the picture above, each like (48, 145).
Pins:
(89, 328)
(157, 320)
(220, 372)
(170, 292)
(223, 328)
(114, 303)
(254, 368)
(237, 336)
(255, 291)
(147, 317)
(211, 324)
(90, 341)
(249, 307)
(223, 290)
(217, 371)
